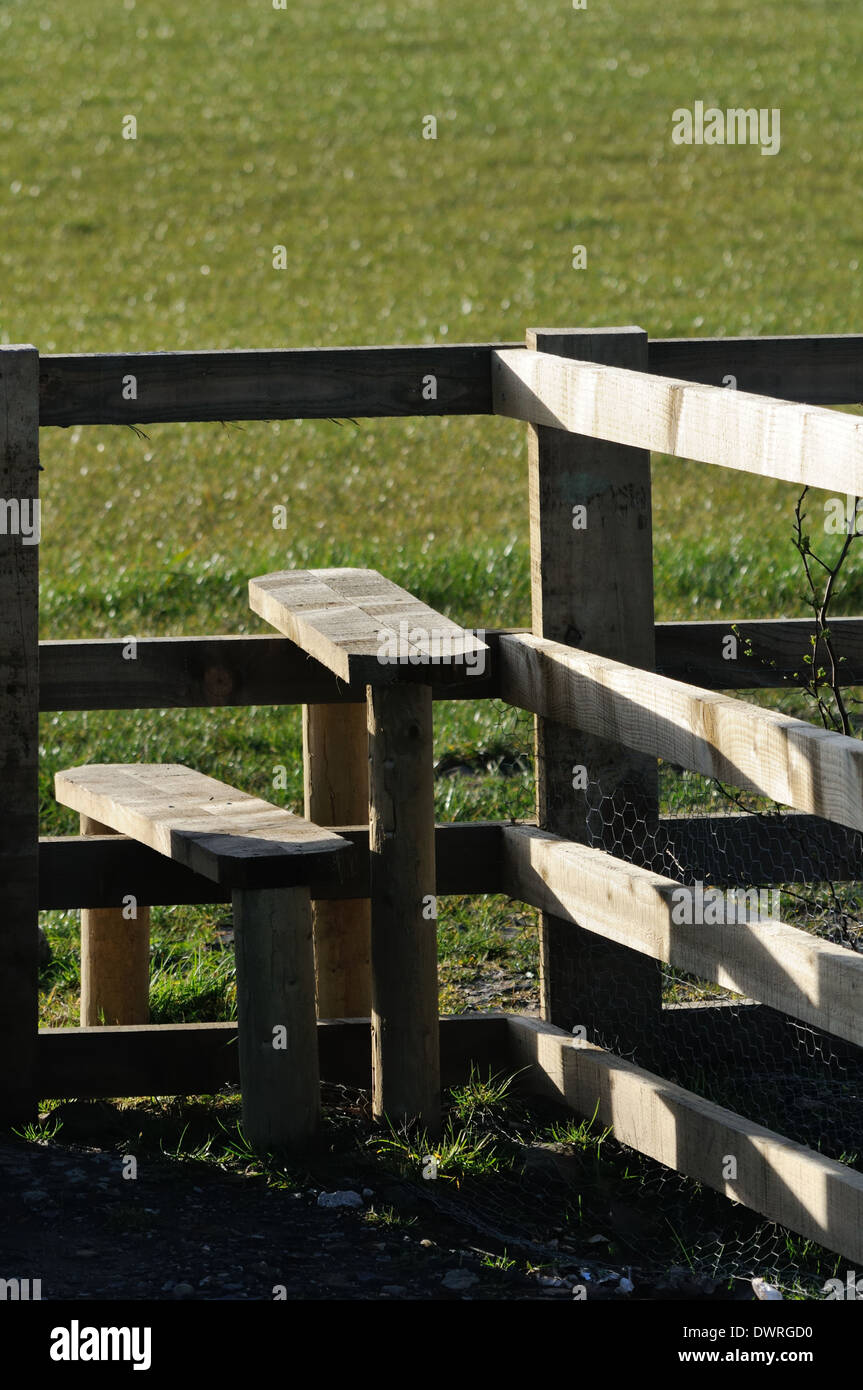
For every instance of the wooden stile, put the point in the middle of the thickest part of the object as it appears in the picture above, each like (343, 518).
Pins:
(115, 957)
(367, 629)
(19, 734)
(336, 785)
(592, 585)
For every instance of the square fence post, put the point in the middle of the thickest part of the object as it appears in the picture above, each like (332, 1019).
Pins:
(19, 730)
(592, 587)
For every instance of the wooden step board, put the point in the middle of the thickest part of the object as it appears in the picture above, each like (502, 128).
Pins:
(267, 856)
(366, 629)
(217, 831)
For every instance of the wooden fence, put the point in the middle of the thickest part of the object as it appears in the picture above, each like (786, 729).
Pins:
(610, 688)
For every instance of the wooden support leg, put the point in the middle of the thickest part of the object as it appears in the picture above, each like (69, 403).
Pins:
(336, 781)
(405, 1027)
(115, 958)
(279, 1073)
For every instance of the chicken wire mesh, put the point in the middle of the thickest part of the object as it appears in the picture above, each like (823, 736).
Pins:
(782, 1073)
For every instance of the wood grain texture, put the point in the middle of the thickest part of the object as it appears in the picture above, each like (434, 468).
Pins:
(784, 1181)
(202, 823)
(336, 790)
(19, 737)
(801, 444)
(311, 383)
(115, 956)
(405, 1033)
(759, 750)
(775, 964)
(279, 1074)
(592, 585)
(364, 628)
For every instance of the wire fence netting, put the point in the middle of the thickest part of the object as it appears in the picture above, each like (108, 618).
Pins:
(784, 1074)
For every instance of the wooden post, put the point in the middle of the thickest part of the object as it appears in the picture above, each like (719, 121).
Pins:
(336, 786)
(592, 587)
(279, 1072)
(115, 958)
(405, 1026)
(19, 732)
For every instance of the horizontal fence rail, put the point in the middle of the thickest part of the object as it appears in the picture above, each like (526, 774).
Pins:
(98, 870)
(201, 1058)
(192, 672)
(699, 652)
(304, 384)
(801, 444)
(314, 383)
(775, 964)
(204, 672)
(760, 750)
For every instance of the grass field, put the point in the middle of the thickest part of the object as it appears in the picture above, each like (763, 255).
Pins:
(258, 127)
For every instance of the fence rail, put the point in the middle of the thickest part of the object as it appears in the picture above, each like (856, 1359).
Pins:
(765, 960)
(802, 444)
(208, 672)
(314, 383)
(758, 750)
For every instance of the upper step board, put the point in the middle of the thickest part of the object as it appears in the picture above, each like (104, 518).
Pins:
(226, 835)
(366, 629)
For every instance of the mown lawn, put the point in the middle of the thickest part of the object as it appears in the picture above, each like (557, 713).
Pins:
(259, 127)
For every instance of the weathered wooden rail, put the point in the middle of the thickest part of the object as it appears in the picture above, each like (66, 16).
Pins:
(601, 676)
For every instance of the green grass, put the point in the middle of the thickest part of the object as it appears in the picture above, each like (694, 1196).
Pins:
(303, 127)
